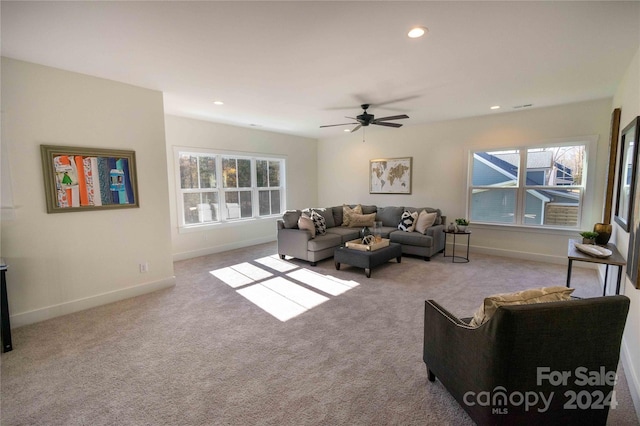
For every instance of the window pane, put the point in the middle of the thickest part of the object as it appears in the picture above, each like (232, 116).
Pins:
(244, 173)
(207, 172)
(550, 206)
(200, 207)
(246, 208)
(188, 171)
(262, 179)
(275, 202)
(229, 173)
(264, 200)
(493, 205)
(498, 168)
(555, 166)
(274, 173)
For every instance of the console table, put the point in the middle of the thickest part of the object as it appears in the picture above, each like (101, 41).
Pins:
(615, 259)
(4, 308)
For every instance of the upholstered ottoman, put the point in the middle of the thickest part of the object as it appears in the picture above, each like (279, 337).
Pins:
(367, 259)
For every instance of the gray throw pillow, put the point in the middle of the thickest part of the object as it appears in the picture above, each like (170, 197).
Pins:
(290, 218)
(389, 216)
(328, 216)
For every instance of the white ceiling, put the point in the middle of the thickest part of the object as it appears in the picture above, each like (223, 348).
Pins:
(292, 66)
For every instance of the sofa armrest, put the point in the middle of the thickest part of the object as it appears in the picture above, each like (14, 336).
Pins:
(293, 242)
(438, 236)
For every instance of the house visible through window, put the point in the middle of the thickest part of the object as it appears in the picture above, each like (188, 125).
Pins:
(218, 188)
(541, 186)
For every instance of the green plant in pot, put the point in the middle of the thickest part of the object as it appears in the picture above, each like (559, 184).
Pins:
(589, 237)
(461, 224)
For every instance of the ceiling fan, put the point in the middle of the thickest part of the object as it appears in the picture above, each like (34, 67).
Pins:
(365, 119)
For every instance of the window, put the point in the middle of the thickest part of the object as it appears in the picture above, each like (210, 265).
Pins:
(534, 186)
(216, 188)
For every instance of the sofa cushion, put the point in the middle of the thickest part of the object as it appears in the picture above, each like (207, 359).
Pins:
(407, 221)
(319, 223)
(290, 218)
(327, 213)
(361, 220)
(322, 242)
(305, 222)
(524, 297)
(337, 215)
(425, 220)
(411, 239)
(369, 209)
(348, 211)
(345, 233)
(389, 216)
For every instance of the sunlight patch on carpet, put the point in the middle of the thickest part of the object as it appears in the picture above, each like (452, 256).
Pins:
(241, 274)
(282, 298)
(327, 284)
(277, 264)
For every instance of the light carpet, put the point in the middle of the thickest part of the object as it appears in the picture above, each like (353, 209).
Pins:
(346, 350)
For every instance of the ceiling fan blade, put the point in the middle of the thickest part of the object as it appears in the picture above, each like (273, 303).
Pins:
(392, 117)
(343, 124)
(392, 101)
(356, 128)
(382, 123)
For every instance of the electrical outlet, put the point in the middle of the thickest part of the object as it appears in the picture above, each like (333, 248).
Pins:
(144, 267)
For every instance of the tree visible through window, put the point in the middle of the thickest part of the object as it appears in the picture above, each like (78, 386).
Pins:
(250, 187)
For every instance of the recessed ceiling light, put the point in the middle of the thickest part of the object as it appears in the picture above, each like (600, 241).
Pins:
(416, 32)
(495, 107)
(218, 103)
(346, 130)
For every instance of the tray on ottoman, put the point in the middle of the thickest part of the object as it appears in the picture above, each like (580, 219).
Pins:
(357, 245)
(367, 259)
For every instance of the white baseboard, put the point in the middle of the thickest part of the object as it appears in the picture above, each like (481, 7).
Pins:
(537, 257)
(65, 308)
(632, 377)
(218, 249)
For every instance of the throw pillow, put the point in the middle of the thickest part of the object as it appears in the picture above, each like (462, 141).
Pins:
(524, 297)
(348, 211)
(328, 216)
(290, 218)
(319, 223)
(362, 220)
(425, 220)
(407, 221)
(305, 222)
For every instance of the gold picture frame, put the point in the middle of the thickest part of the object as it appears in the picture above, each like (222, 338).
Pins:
(390, 175)
(84, 179)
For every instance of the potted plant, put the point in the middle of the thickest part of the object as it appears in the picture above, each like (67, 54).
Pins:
(589, 237)
(462, 224)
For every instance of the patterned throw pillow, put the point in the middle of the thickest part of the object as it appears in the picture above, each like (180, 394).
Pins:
(319, 223)
(407, 221)
(347, 211)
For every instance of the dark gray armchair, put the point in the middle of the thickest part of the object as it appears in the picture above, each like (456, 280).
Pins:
(548, 363)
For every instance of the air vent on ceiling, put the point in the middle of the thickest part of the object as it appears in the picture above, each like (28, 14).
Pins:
(522, 106)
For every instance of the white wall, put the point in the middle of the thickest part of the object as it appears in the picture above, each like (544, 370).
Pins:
(627, 98)
(61, 263)
(440, 160)
(301, 180)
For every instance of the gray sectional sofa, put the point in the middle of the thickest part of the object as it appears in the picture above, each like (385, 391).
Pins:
(300, 243)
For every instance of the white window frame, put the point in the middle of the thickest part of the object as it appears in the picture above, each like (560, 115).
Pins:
(590, 144)
(224, 220)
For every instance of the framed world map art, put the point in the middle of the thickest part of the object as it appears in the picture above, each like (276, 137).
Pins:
(390, 175)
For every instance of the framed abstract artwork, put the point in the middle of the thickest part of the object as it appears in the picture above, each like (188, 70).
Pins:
(390, 175)
(82, 179)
